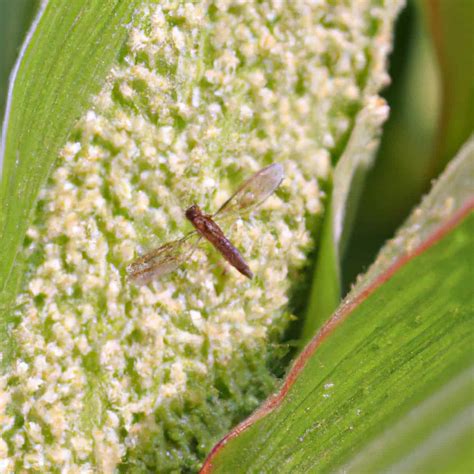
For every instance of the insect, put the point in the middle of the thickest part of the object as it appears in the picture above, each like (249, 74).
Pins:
(169, 256)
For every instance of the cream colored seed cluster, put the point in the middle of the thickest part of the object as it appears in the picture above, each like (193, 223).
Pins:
(204, 97)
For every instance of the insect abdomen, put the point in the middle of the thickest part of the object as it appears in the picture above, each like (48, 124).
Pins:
(233, 256)
(213, 233)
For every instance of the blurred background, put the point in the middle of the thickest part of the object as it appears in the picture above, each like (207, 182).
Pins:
(15, 19)
(432, 111)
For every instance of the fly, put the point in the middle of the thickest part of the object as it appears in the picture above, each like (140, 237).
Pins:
(169, 256)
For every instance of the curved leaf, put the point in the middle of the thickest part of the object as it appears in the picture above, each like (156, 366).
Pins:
(349, 177)
(400, 344)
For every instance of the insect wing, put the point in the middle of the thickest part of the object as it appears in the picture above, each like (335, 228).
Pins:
(253, 191)
(162, 260)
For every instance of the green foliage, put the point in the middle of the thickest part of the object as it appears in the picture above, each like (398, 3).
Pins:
(348, 180)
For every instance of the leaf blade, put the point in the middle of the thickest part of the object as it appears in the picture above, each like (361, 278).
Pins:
(348, 180)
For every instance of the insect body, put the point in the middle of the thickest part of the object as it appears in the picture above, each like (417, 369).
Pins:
(212, 232)
(169, 256)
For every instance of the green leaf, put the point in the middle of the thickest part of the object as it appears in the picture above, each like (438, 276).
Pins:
(440, 443)
(349, 176)
(391, 371)
(63, 63)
